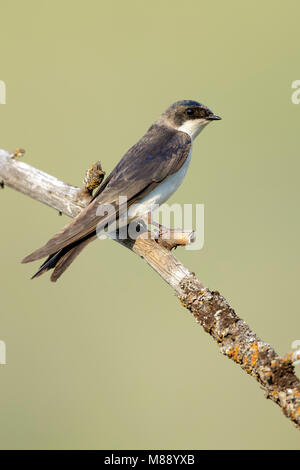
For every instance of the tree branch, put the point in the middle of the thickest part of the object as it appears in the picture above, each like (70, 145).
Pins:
(234, 337)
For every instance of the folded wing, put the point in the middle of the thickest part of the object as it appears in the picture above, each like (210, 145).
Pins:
(159, 154)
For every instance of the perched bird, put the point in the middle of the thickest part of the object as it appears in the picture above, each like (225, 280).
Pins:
(149, 173)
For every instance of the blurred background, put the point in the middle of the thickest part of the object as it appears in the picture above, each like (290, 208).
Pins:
(107, 357)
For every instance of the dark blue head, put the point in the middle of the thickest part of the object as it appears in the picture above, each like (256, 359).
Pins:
(188, 116)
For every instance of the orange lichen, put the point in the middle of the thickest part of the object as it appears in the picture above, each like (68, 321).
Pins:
(288, 357)
(230, 352)
(298, 410)
(236, 353)
(254, 356)
(17, 153)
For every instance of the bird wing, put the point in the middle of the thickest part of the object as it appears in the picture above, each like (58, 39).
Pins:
(159, 154)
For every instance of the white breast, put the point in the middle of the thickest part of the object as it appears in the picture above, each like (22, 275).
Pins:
(161, 193)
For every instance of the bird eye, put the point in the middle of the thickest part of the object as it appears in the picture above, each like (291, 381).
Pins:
(190, 112)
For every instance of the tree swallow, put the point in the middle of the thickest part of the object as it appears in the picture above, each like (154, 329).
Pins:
(149, 173)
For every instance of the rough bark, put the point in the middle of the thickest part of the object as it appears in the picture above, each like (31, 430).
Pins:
(235, 339)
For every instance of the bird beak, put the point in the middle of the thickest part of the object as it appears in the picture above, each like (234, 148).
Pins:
(213, 117)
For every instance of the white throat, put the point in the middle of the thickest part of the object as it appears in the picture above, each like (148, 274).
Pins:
(193, 127)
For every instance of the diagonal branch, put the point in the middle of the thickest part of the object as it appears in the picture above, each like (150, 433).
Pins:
(234, 337)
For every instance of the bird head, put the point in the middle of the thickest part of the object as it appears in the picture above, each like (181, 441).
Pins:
(188, 116)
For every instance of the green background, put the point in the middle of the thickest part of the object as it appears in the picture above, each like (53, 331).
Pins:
(107, 357)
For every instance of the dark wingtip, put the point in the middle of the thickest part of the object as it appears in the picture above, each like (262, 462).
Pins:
(48, 264)
(34, 276)
(39, 272)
